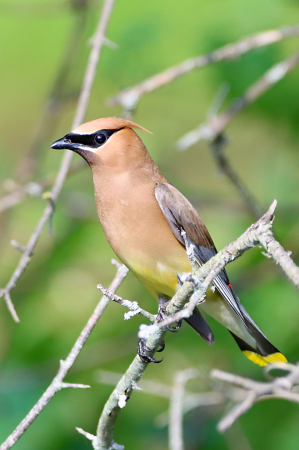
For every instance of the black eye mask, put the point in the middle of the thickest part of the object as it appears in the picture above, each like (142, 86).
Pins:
(93, 140)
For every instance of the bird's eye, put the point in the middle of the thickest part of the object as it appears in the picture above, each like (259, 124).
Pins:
(100, 138)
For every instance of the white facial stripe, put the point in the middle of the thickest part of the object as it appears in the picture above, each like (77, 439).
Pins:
(92, 150)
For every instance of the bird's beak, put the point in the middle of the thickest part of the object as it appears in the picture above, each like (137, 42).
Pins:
(64, 143)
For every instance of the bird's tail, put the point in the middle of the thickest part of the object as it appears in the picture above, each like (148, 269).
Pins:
(200, 325)
(265, 352)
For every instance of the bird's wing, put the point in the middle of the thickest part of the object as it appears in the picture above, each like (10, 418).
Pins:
(181, 215)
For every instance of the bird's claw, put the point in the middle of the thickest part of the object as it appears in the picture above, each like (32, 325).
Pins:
(162, 346)
(142, 349)
(162, 316)
(175, 328)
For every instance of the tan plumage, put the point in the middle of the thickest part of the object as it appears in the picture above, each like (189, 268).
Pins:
(142, 215)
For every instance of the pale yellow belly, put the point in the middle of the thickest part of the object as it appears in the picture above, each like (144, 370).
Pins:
(161, 277)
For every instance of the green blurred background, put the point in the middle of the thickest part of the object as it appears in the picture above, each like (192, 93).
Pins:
(58, 292)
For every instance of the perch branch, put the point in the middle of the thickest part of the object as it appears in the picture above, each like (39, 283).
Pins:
(129, 380)
(128, 98)
(57, 384)
(97, 44)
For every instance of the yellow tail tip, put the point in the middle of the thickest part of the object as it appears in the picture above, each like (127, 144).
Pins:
(264, 360)
(276, 357)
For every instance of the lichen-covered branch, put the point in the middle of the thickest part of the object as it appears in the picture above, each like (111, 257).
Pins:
(57, 384)
(97, 44)
(129, 97)
(254, 391)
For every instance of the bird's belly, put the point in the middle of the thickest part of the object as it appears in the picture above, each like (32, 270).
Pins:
(160, 277)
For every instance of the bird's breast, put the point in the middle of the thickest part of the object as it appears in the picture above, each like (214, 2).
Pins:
(138, 233)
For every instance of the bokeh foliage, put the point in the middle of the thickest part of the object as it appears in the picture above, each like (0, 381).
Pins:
(58, 292)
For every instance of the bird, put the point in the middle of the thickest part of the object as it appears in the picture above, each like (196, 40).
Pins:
(143, 216)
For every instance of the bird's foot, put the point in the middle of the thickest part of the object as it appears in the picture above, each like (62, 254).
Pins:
(143, 349)
(162, 316)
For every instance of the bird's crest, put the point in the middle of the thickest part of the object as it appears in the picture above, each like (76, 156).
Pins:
(108, 123)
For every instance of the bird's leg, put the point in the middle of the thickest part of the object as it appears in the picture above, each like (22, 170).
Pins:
(163, 301)
(142, 349)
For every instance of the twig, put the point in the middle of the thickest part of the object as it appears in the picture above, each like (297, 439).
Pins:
(213, 129)
(146, 386)
(57, 384)
(191, 400)
(218, 150)
(175, 438)
(33, 188)
(97, 44)
(128, 98)
(132, 306)
(216, 125)
(254, 391)
(60, 94)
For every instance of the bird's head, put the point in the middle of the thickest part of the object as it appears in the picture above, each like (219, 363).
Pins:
(99, 139)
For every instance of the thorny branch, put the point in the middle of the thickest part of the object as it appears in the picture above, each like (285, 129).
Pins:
(57, 384)
(254, 391)
(129, 97)
(97, 44)
(216, 125)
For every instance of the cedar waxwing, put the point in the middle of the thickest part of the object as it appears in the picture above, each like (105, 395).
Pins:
(142, 216)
